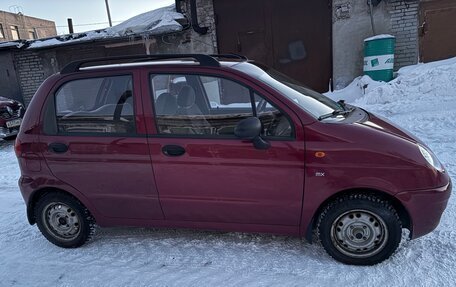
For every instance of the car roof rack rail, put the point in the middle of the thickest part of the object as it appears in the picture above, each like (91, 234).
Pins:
(230, 56)
(204, 60)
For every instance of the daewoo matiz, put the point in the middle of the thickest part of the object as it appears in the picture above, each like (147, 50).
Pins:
(218, 142)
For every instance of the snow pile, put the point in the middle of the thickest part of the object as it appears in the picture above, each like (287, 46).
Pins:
(420, 82)
(158, 21)
(355, 90)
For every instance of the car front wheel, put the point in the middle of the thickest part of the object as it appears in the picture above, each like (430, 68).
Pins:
(359, 229)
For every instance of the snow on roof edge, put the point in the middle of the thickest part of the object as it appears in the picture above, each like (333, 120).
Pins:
(12, 44)
(148, 22)
(154, 22)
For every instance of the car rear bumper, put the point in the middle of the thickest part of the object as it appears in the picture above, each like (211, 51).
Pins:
(425, 208)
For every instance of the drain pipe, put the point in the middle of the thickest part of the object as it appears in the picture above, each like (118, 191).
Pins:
(178, 6)
(198, 29)
(372, 16)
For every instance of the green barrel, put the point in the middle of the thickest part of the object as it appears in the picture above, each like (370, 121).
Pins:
(379, 57)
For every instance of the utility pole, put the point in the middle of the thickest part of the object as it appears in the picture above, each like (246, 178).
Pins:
(70, 25)
(109, 13)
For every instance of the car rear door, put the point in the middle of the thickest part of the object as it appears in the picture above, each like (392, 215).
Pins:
(203, 172)
(95, 141)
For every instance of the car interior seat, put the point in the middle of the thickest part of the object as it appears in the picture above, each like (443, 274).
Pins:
(166, 104)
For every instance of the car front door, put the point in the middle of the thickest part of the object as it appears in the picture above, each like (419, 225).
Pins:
(202, 171)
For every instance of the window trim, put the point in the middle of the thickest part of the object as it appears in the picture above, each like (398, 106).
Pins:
(31, 32)
(16, 29)
(51, 100)
(2, 32)
(222, 137)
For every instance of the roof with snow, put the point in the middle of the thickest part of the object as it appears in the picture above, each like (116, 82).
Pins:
(156, 22)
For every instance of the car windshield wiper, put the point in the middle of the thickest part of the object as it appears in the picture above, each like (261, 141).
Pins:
(335, 113)
(342, 104)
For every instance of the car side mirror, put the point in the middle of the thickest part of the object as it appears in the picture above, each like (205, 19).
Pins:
(250, 129)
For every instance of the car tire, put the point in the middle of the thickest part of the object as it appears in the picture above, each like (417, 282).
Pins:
(359, 229)
(63, 220)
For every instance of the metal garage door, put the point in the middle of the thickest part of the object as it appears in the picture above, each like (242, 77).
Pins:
(293, 36)
(437, 30)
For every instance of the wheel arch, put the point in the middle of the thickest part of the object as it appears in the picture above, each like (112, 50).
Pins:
(402, 212)
(36, 195)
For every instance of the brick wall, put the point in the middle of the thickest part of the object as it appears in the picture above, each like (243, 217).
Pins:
(30, 72)
(404, 25)
(351, 25)
(39, 27)
(206, 18)
(202, 43)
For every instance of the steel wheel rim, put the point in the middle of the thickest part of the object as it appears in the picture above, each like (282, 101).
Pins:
(359, 233)
(61, 221)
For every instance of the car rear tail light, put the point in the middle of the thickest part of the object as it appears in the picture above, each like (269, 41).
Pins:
(18, 147)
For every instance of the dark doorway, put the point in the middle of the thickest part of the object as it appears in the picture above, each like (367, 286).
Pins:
(437, 30)
(9, 85)
(293, 36)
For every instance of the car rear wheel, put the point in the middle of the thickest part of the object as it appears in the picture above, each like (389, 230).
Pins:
(63, 220)
(359, 229)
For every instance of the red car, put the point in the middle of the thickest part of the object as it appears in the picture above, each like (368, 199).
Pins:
(11, 113)
(218, 142)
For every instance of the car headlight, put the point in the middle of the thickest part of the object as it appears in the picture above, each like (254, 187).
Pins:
(430, 157)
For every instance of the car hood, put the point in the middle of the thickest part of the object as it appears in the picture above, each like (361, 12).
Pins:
(384, 125)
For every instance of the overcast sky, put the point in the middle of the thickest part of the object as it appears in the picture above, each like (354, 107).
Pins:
(85, 13)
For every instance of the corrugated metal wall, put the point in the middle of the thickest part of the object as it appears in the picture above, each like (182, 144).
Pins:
(293, 36)
(437, 30)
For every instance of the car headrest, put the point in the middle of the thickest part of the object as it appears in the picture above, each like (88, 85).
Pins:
(166, 104)
(186, 97)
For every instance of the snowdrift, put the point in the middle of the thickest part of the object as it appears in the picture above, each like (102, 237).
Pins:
(436, 79)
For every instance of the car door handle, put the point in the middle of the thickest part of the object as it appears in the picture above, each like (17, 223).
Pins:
(58, 147)
(173, 150)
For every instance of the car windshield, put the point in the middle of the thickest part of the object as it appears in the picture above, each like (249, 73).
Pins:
(313, 102)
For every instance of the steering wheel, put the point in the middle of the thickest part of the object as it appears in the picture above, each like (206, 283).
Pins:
(261, 107)
(283, 127)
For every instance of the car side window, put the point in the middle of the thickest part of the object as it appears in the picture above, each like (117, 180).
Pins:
(196, 105)
(97, 105)
(275, 122)
(209, 106)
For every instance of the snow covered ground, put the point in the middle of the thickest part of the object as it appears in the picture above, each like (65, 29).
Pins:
(422, 99)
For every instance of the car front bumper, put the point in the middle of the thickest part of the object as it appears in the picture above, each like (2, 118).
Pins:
(425, 208)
